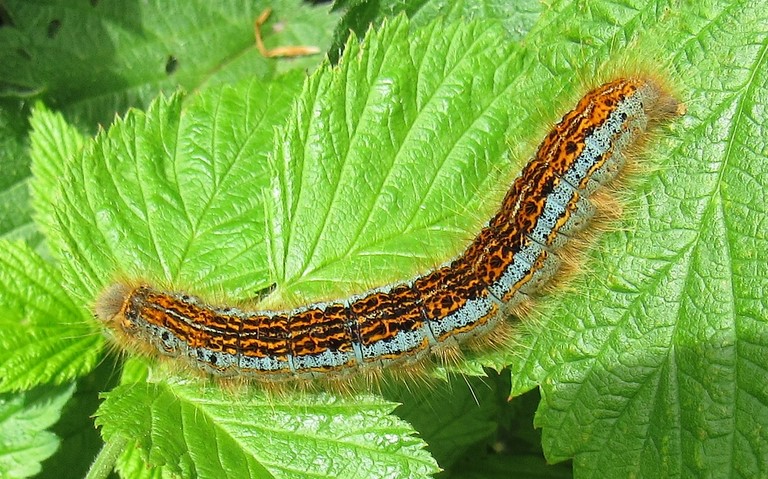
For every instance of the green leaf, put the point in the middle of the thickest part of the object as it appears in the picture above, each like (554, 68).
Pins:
(46, 336)
(383, 179)
(92, 59)
(214, 433)
(132, 463)
(53, 144)
(80, 441)
(15, 213)
(24, 418)
(655, 364)
(175, 195)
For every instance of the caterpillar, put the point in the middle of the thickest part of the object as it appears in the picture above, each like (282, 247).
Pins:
(515, 255)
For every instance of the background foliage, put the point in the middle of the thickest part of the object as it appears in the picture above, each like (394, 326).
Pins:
(382, 163)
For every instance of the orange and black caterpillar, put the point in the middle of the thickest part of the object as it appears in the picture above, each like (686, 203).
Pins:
(514, 256)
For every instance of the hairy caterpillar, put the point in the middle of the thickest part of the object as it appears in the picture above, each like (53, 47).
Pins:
(515, 255)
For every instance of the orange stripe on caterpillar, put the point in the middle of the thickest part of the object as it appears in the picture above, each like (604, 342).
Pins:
(513, 256)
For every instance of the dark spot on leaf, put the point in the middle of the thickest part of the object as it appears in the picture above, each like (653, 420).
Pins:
(94, 3)
(171, 65)
(5, 17)
(53, 28)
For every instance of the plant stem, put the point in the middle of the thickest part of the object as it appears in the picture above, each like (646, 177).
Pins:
(105, 460)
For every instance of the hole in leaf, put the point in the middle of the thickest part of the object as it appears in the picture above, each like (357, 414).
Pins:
(262, 294)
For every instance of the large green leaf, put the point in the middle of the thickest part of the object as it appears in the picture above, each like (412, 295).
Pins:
(389, 157)
(205, 433)
(655, 365)
(175, 196)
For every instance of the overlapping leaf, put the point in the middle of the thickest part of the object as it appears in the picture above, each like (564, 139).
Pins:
(46, 336)
(24, 418)
(15, 211)
(175, 196)
(205, 433)
(92, 59)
